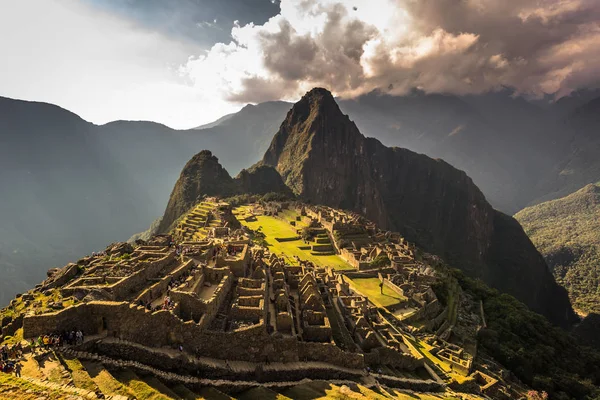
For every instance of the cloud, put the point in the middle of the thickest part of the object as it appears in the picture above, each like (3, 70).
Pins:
(536, 47)
(99, 65)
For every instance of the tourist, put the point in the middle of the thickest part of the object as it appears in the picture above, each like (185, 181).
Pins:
(17, 368)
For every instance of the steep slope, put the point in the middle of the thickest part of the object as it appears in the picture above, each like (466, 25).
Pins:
(567, 233)
(323, 158)
(261, 179)
(62, 175)
(578, 147)
(203, 176)
(471, 138)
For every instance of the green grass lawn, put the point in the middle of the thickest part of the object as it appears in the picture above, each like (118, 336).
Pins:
(370, 288)
(274, 227)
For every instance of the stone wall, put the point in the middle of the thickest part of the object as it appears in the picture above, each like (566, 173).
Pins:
(138, 325)
(62, 276)
(329, 353)
(12, 327)
(160, 287)
(389, 356)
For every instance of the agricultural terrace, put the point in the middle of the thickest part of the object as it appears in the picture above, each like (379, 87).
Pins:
(279, 227)
(369, 287)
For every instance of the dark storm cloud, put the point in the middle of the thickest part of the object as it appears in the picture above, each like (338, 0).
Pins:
(535, 47)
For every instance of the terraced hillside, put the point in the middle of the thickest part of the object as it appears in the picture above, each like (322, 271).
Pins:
(266, 300)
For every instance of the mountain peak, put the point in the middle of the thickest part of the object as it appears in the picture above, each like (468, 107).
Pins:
(314, 127)
(318, 100)
(203, 175)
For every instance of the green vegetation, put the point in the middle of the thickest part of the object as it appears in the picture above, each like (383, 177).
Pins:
(380, 261)
(105, 381)
(261, 393)
(81, 378)
(245, 198)
(273, 227)
(12, 388)
(141, 389)
(567, 233)
(370, 288)
(541, 355)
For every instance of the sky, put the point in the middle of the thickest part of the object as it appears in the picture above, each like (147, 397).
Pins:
(184, 63)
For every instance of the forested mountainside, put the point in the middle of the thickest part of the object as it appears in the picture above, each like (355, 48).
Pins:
(567, 233)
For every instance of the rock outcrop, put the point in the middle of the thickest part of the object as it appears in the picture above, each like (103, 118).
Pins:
(323, 158)
(202, 175)
(261, 179)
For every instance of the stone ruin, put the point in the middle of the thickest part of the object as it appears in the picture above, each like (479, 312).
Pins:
(217, 295)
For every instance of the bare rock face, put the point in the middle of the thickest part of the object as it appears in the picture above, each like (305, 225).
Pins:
(118, 249)
(321, 155)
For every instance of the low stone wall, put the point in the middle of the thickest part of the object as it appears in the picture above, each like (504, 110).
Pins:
(411, 384)
(161, 286)
(12, 327)
(388, 356)
(132, 283)
(200, 310)
(427, 312)
(329, 353)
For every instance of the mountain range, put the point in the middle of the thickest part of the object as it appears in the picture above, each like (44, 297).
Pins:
(323, 158)
(75, 186)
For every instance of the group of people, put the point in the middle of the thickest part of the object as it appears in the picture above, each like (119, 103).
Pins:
(73, 337)
(9, 357)
(7, 353)
(10, 366)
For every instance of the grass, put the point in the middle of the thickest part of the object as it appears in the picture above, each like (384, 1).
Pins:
(274, 227)
(370, 287)
(325, 390)
(186, 393)
(141, 389)
(105, 381)
(210, 393)
(12, 388)
(261, 393)
(81, 378)
(424, 349)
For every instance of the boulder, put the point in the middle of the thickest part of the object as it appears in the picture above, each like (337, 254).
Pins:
(5, 321)
(119, 248)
